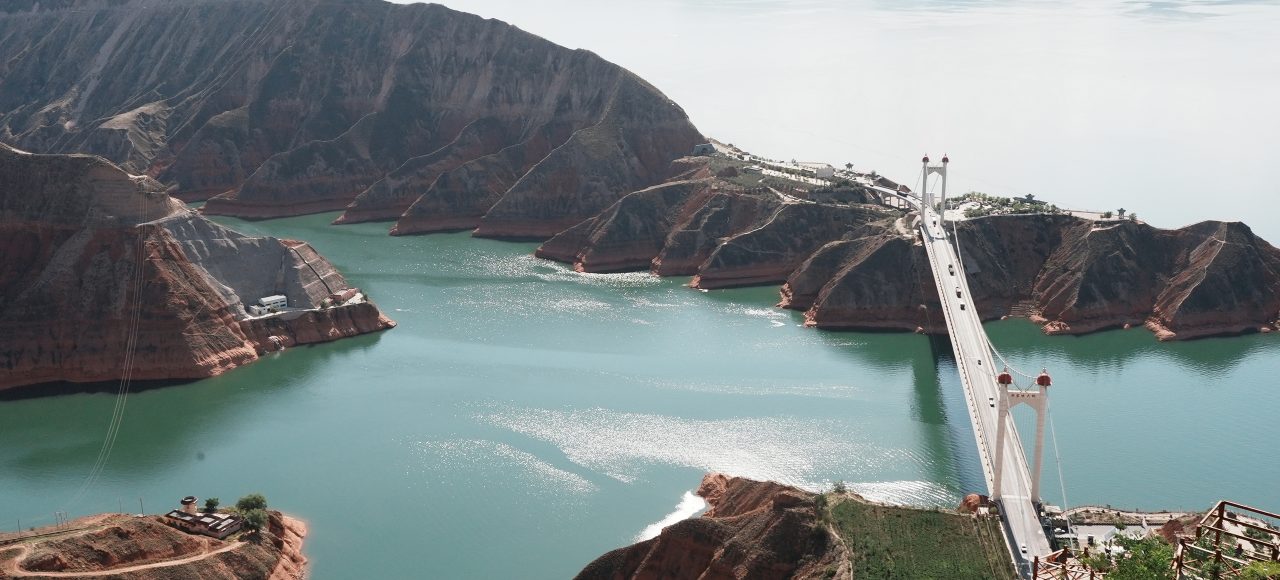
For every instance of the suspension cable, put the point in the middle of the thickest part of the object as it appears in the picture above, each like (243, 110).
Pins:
(955, 235)
(1062, 482)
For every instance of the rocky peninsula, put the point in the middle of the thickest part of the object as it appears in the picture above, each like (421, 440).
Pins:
(105, 276)
(856, 263)
(131, 547)
(755, 529)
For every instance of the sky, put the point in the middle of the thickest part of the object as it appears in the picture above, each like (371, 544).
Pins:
(1166, 108)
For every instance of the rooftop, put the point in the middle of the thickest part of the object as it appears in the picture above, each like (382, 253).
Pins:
(212, 521)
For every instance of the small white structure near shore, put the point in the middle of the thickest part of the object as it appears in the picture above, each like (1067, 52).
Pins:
(268, 304)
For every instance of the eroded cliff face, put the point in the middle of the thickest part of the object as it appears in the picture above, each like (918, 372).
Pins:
(720, 233)
(99, 264)
(860, 266)
(417, 113)
(1072, 275)
(752, 529)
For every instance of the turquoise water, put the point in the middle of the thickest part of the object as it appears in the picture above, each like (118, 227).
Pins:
(524, 418)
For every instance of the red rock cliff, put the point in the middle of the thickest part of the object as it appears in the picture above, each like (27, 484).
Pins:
(857, 265)
(752, 529)
(99, 264)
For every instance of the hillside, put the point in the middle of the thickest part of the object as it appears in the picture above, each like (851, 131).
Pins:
(99, 264)
(126, 547)
(857, 264)
(416, 113)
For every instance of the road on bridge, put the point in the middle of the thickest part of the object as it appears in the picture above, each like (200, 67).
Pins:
(975, 363)
(978, 375)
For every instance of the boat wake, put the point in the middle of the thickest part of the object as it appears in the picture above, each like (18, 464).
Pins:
(689, 506)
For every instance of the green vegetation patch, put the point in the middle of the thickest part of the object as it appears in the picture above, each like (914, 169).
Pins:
(996, 205)
(896, 542)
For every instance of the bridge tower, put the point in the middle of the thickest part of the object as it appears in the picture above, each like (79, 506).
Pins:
(926, 196)
(1010, 397)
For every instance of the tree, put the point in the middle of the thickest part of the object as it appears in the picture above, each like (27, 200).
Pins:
(839, 487)
(1121, 212)
(1144, 559)
(1133, 217)
(848, 166)
(255, 519)
(211, 504)
(1106, 215)
(253, 501)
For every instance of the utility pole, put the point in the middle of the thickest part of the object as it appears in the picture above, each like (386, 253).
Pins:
(141, 510)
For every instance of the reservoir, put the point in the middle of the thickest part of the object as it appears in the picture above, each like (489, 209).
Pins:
(523, 418)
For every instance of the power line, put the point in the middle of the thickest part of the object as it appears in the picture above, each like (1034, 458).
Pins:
(126, 376)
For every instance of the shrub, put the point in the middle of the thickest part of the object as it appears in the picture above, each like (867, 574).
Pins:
(253, 501)
(1261, 571)
(211, 504)
(255, 519)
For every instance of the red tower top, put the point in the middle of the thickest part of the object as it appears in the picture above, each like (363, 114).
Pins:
(1005, 378)
(1044, 380)
(926, 158)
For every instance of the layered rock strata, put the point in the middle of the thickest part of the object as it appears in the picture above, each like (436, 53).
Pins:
(417, 113)
(860, 266)
(721, 234)
(1072, 275)
(104, 272)
(752, 529)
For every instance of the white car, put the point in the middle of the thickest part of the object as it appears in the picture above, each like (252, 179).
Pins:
(1023, 548)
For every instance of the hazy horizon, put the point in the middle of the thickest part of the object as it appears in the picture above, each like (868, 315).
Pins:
(1149, 106)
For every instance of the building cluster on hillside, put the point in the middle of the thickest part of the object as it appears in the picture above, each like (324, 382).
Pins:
(213, 524)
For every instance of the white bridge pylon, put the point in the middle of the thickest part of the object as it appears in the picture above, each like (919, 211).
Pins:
(1010, 397)
(940, 169)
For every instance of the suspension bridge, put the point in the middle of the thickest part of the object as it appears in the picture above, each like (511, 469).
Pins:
(990, 391)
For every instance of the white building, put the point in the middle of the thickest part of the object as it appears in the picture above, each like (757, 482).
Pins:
(277, 301)
(268, 304)
(819, 170)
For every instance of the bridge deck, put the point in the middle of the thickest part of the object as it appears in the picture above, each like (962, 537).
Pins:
(978, 375)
